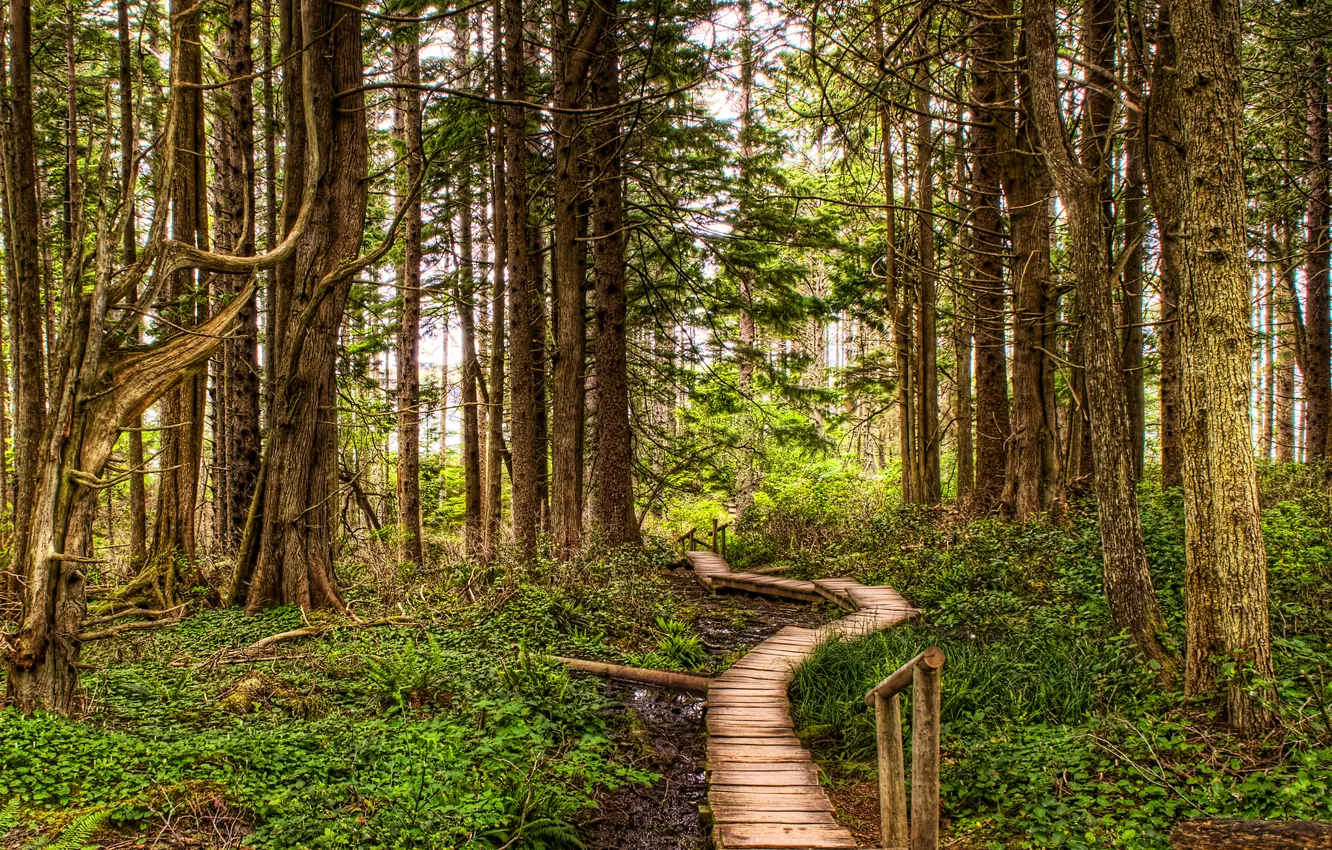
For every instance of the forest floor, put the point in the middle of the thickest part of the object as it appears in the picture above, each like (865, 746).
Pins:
(666, 727)
(451, 727)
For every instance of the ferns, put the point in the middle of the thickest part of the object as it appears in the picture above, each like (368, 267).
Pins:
(76, 836)
(679, 648)
(9, 817)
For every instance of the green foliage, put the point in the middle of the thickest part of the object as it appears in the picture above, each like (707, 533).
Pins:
(435, 734)
(679, 648)
(1054, 734)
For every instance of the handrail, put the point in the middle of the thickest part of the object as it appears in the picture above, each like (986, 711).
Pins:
(722, 529)
(922, 674)
(690, 536)
(900, 679)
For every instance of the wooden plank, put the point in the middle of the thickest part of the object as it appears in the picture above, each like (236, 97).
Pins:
(784, 835)
(745, 798)
(744, 814)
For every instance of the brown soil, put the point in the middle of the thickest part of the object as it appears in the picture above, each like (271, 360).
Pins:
(662, 731)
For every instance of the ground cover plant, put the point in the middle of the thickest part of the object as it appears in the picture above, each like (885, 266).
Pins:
(1055, 733)
(445, 726)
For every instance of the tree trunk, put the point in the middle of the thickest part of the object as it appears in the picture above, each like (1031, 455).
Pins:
(1034, 469)
(1135, 228)
(614, 487)
(1226, 604)
(927, 408)
(1128, 583)
(1317, 389)
(25, 283)
(500, 228)
(987, 247)
(172, 554)
(138, 508)
(522, 383)
(1284, 401)
(570, 275)
(407, 106)
(236, 409)
(294, 511)
(1165, 169)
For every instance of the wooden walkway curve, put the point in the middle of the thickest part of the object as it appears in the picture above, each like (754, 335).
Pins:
(763, 787)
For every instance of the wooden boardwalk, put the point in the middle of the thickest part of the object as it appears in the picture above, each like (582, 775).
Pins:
(763, 787)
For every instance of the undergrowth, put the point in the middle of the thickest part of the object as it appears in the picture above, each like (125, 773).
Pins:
(452, 729)
(1053, 733)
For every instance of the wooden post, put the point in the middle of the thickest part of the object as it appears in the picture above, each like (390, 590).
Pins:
(723, 542)
(714, 535)
(892, 772)
(691, 540)
(925, 756)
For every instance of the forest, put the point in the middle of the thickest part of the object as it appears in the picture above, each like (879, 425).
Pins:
(412, 415)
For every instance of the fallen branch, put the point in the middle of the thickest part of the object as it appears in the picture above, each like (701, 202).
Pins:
(138, 625)
(133, 612)
(662, 678)
(318, 629)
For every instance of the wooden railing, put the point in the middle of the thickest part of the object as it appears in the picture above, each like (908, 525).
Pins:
(719, 529)
(922, 674)
(687, 536)
(689, 540)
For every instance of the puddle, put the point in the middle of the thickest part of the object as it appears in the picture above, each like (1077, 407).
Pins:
(662, 730)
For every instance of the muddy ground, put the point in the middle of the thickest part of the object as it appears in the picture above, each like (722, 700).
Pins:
(662, 730)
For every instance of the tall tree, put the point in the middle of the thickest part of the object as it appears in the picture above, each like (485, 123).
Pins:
(286, 557)
(236, 402)
(614, 496)
(1128, 582)
(469, 410)
(1226, 604)
(138, 504)
(1318, 252)
(1165, 179)
(407, 120)
(927, 405)
(25, 282)
(524, 504)
(988, 68)
(172, 552)
(570, 269)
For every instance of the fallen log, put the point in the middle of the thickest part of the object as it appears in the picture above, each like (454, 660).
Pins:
(1231, 834)
(661, 678)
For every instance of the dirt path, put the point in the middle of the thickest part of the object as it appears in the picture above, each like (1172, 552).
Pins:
(662, 731)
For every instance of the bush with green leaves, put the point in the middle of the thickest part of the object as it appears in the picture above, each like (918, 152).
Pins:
(1053, 732)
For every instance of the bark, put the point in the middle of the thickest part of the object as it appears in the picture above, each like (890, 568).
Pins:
(25, 283)
(1131, 305)
(471, 374)
(294, 512)
(236, 410)
(172, 553)
(1034, 471)
(927, 407)
(1226, 602)
(540, 378)
(1318, 251)
(138, 508)
(521, 279)
(1165, 178)
(570, 274)
(407, 108)
(1128, 583)
(990, 53)
(500, 230)
(1269, 354)
(1284, 401)
(614, 488)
